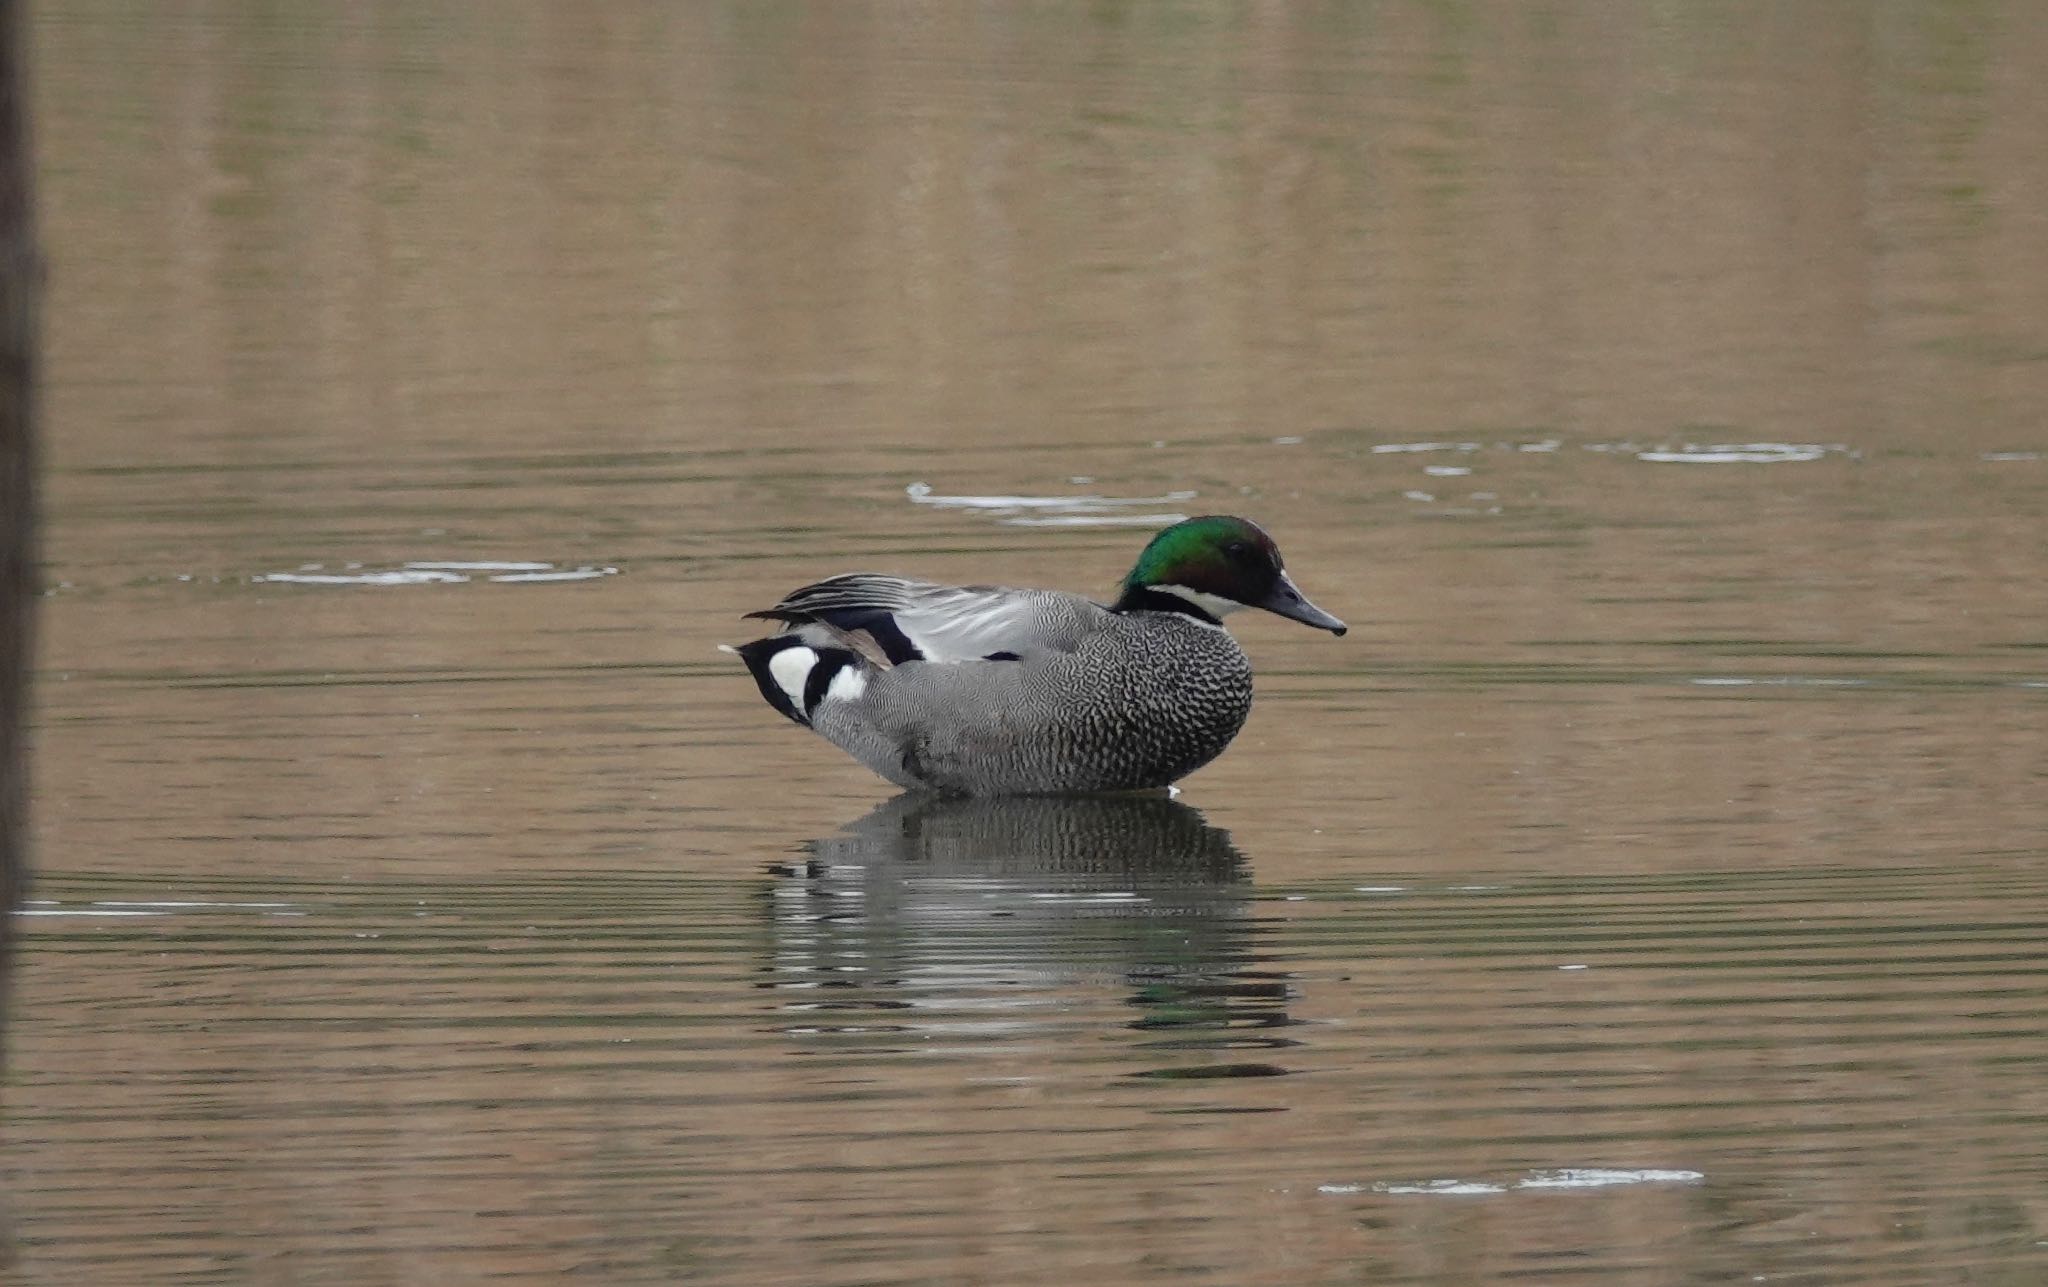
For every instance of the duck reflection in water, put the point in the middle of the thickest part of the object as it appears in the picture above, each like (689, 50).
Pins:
(957, 927)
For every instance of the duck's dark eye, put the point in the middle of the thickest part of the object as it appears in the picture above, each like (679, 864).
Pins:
(1237, 549)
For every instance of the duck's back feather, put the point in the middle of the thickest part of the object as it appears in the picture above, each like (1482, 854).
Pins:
(922, 621)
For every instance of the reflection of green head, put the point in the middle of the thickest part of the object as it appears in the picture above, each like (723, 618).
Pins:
(1218, 554)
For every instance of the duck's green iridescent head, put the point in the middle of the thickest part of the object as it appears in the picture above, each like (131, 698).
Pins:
(1214, 565)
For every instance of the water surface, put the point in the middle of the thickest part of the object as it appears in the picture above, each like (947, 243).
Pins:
(1651, 888)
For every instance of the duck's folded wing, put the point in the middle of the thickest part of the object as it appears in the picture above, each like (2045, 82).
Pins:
(922, 621)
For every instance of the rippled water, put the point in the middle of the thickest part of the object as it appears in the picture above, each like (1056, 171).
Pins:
(1650, 889)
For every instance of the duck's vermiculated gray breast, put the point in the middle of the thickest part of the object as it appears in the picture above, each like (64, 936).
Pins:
(1140, 705)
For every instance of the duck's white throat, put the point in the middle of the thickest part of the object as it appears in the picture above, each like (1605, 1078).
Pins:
(1214, 604)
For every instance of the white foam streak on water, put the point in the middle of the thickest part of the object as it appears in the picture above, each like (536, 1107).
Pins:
(1538, 447)
(1567, 1178)
(450, 565)
(396, 576)
(922, 494)
(1752, 453)
(1094, 896)
(1777, 681)
(182, 903)
(150, 907)
(434, 572)
(1096, 520)
(1462, 1188)
(1602, 1177)
(562, 574)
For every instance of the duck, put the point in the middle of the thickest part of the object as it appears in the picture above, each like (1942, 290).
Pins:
(983, 690)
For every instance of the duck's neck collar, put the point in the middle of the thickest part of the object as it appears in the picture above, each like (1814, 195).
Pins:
(1209, 609)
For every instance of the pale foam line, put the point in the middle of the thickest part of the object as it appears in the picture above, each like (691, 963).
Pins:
(436, 572)
(561, 574)
(1750, 453)
(1103, 896)
(171, 903)
(922, 494)
(1575, 1177)
(449, 565)
(153, 907)
(415, 576)
(1594, 1177)
(1457, 1188)
(1095, 520)
(1776, 681)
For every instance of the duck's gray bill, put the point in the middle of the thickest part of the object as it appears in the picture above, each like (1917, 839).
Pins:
(1289, 602)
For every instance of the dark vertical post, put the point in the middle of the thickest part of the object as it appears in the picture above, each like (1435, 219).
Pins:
(20, 288)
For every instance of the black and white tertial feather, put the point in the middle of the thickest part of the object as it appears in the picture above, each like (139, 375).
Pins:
(921, 621)
(983, 690)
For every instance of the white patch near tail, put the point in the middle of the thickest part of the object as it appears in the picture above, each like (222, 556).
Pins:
(847, 685)
(789, 669)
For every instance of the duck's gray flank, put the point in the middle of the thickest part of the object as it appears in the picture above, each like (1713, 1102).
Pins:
(984, 690)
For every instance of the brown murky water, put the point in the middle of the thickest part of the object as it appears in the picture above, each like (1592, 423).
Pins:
(1651, 889)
